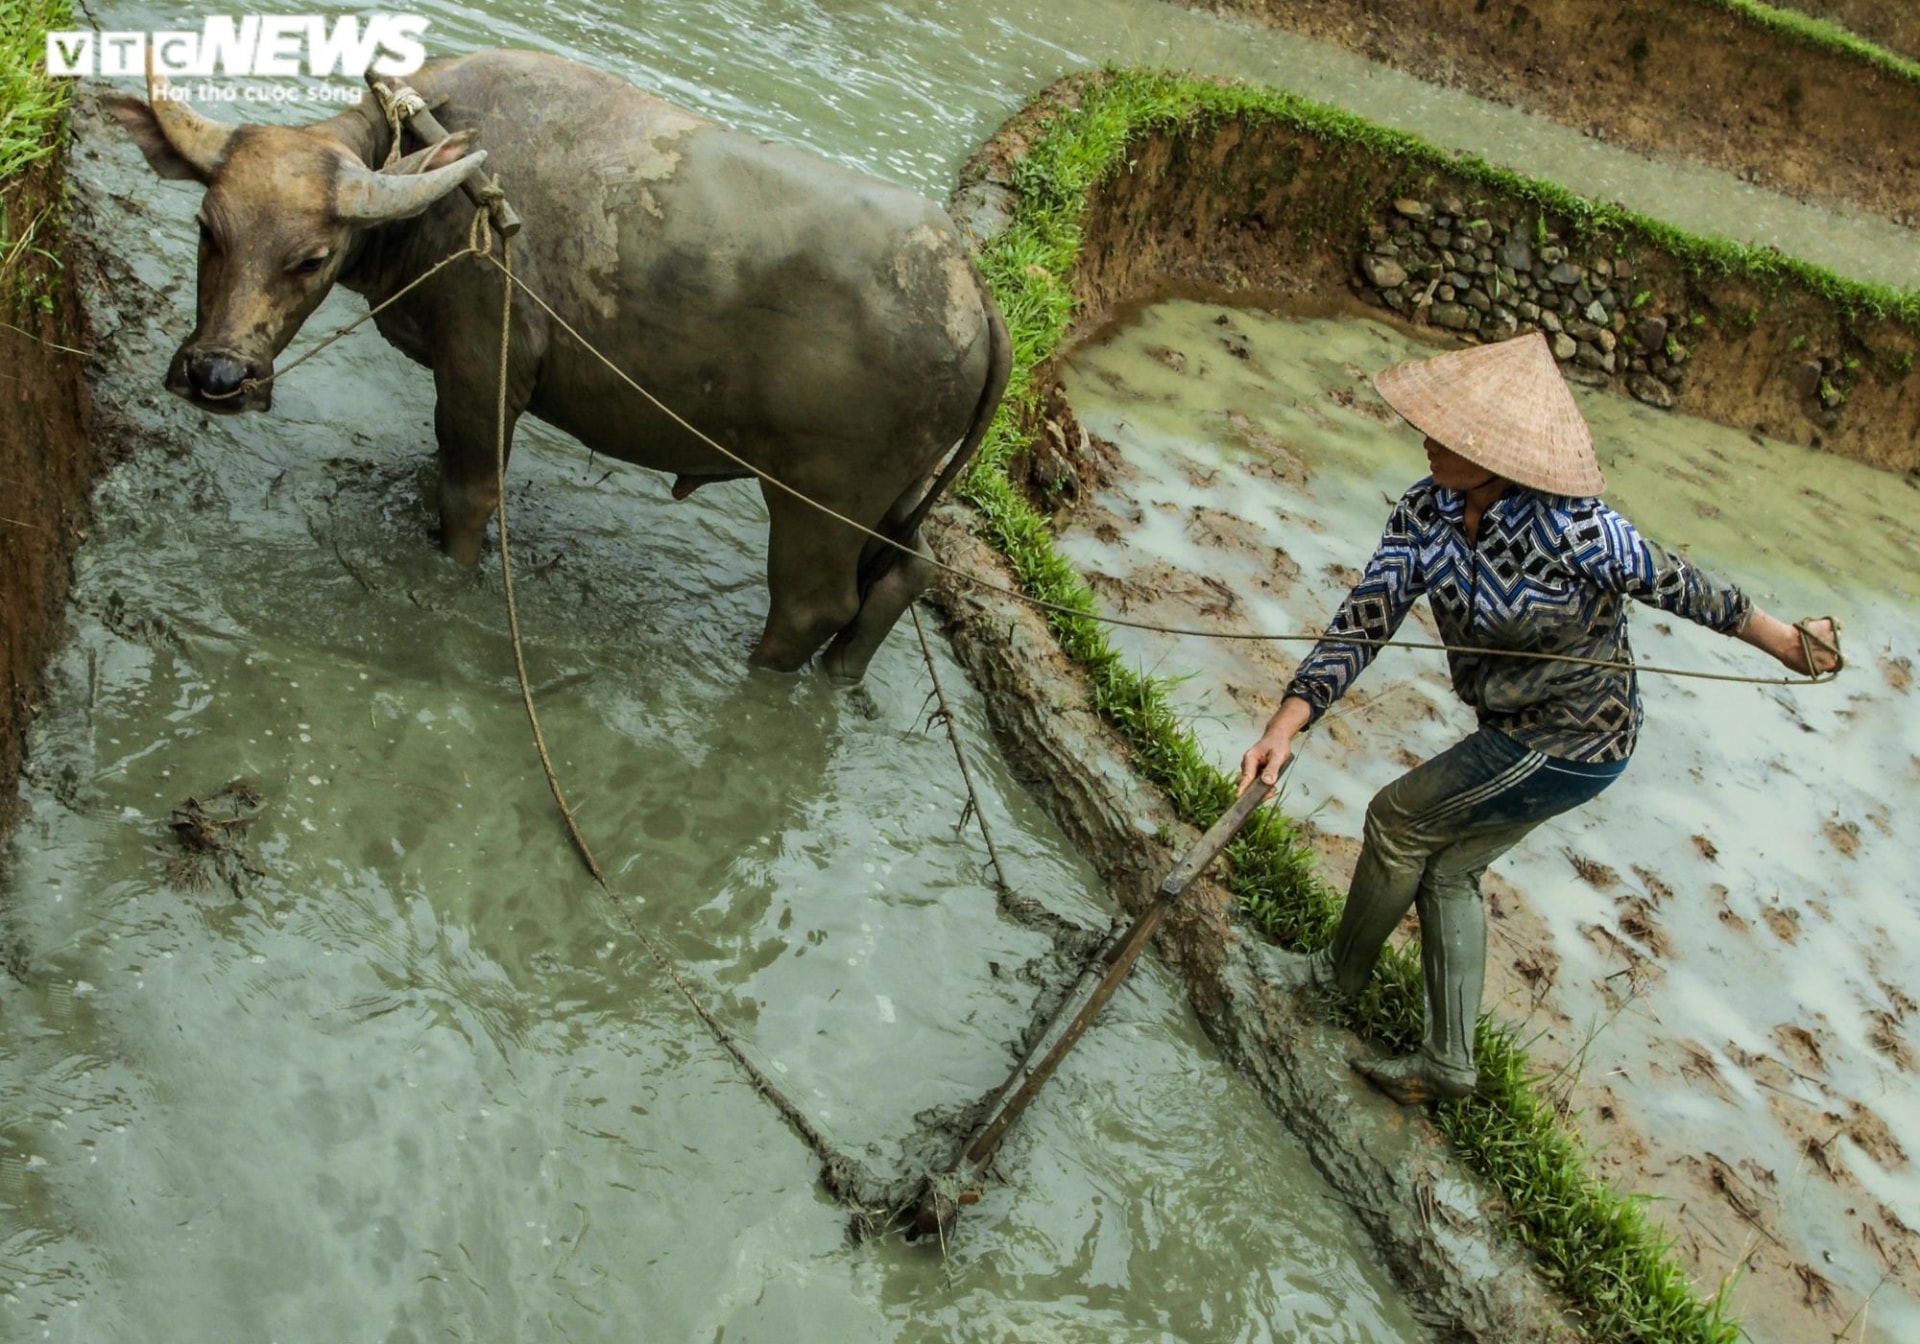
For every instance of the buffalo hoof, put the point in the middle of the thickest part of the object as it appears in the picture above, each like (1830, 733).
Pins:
(859, 699)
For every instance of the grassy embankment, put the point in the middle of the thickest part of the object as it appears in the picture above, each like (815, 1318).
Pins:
(1894, 24)
(1597, 1243)
(33, 121)
(1821, 34)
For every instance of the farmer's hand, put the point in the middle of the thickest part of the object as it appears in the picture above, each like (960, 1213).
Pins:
(1784, 643)
(1823, 640)
(1265, 757)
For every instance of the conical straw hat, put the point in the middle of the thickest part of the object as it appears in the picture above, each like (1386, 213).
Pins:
(1504, 407)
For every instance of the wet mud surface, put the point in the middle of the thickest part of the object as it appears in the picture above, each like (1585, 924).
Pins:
(1707, 956)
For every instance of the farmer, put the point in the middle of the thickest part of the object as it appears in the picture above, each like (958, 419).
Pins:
(1514, 550)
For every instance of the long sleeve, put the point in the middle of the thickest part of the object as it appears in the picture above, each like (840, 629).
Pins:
(1609, 551)
(1373, 610)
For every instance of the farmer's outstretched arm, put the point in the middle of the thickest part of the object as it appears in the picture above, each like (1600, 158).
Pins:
(1372, 612)
(1611, 552)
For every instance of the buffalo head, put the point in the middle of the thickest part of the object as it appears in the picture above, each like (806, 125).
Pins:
(283, 210)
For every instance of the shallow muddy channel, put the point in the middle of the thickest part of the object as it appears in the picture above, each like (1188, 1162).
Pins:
(390, 1069)
(1720, 944)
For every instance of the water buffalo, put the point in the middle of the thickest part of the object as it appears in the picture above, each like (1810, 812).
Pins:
(826, 326)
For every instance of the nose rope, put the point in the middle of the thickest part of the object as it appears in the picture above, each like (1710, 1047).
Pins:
(479, 243)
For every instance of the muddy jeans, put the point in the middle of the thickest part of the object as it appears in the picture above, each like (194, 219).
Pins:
(1429, 836)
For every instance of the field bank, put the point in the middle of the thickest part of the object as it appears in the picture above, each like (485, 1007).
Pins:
(1113, 192)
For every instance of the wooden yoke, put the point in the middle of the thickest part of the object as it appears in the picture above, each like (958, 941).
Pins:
(402, 106)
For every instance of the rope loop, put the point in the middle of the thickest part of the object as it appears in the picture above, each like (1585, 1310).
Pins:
(1810, 642)
(480, 233)
(401, 106)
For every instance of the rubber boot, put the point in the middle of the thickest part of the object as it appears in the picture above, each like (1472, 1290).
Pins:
(1377, 900)
(1453, 962)
(1293, 972)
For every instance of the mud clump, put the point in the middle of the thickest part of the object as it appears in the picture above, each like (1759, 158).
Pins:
(1594, 874)
(211, 839)
(1843, 835)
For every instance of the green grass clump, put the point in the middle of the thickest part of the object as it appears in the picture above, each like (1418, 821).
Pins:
(33, 124)
(1822, 35)
(1597, 1244)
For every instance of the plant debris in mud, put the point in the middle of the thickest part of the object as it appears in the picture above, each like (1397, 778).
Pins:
(211, 837)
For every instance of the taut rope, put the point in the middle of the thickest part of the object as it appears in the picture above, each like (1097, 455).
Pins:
(1810, 643)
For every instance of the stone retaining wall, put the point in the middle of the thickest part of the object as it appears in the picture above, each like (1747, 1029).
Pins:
(1616, 320)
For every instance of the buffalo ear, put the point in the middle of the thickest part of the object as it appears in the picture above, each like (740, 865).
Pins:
(450, 150)
(137, 116)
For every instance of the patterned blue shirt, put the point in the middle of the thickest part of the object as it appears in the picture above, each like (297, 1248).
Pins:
(1548, 575)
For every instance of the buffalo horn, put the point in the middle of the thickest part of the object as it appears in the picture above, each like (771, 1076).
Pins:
(363, 197)
(201, 141)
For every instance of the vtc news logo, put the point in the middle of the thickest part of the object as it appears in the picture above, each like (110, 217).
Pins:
(252, 46)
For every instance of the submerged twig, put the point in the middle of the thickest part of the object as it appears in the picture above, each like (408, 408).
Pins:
(960, 755)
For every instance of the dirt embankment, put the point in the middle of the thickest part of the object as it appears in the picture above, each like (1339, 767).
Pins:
(46, 464)
(1893, 24)
(1678, 78)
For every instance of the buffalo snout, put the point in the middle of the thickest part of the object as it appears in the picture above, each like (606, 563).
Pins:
(220, 380)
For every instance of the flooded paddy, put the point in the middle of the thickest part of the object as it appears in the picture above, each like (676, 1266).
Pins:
(396, 1071)
(1717, 947)
(399, 1072)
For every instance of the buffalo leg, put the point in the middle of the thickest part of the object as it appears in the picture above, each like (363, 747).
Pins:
(469, 480)
(812, 571)
(883, 604)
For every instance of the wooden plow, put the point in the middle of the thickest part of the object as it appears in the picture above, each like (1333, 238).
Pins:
(942, 1195)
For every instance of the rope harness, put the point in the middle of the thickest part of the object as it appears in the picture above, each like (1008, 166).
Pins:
(401, 105)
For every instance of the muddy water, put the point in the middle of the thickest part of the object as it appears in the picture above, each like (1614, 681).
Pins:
(414, 1080)
(1730, 928)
